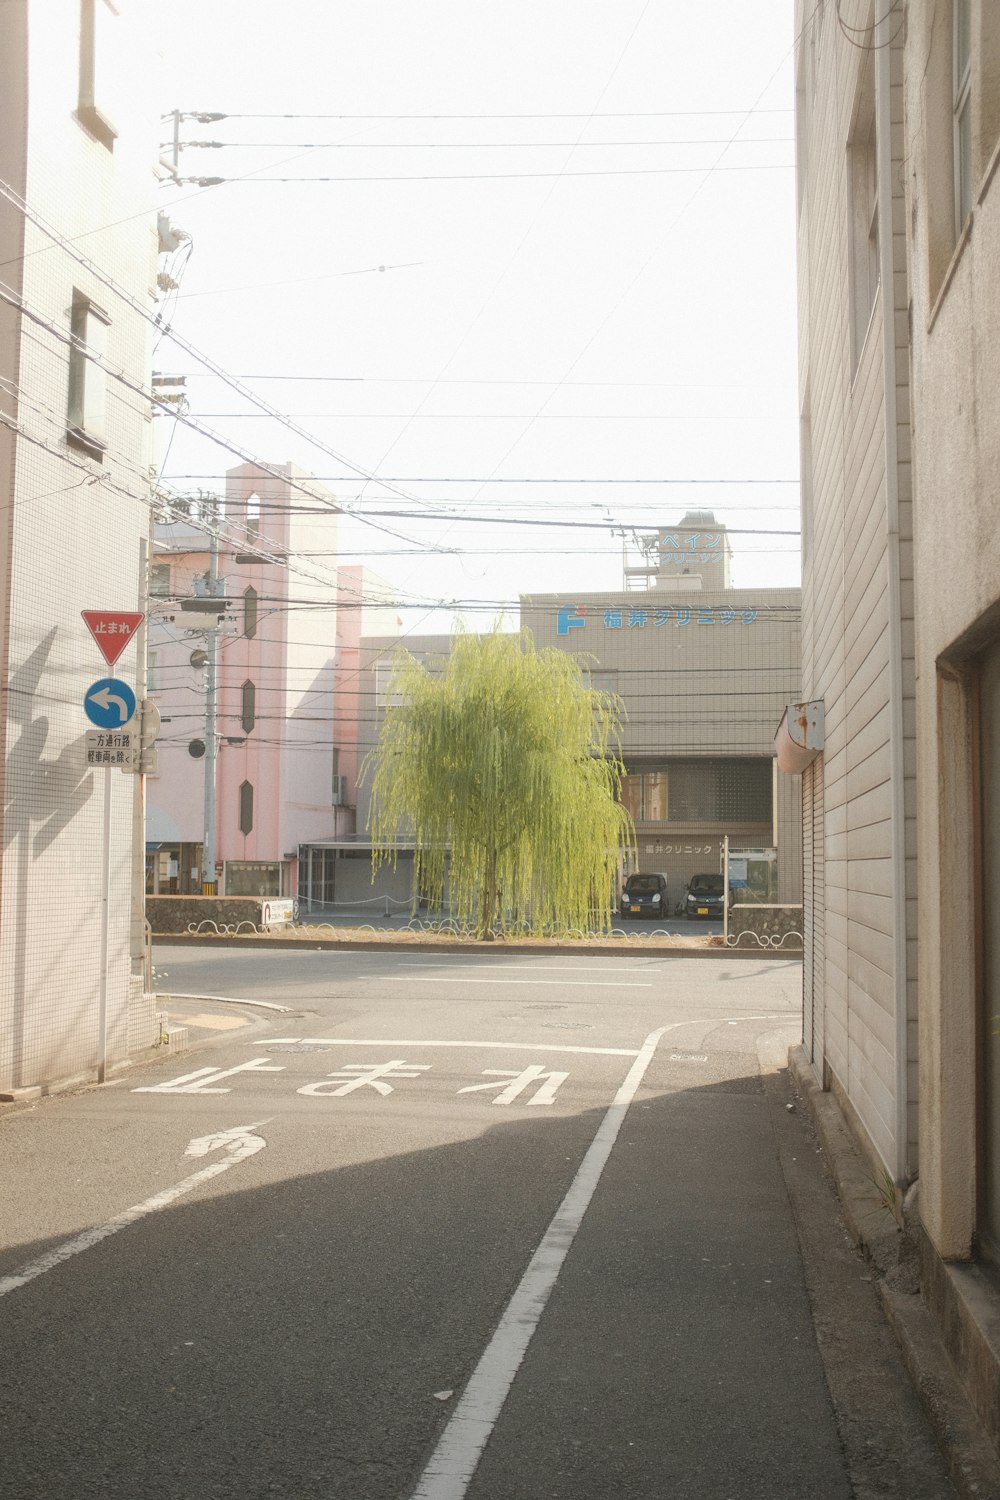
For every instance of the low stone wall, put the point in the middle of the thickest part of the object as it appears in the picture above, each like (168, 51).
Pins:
(773, 922)
(177, 913)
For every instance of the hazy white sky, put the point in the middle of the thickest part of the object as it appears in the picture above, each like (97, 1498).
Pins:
(552, 242)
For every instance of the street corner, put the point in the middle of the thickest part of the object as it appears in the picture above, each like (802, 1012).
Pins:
(195, 1021)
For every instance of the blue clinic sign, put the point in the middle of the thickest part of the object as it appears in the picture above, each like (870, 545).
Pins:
(575, 617)
(109, 703)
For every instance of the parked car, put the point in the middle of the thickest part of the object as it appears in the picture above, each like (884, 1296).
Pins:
(645, 896)
(705, 896)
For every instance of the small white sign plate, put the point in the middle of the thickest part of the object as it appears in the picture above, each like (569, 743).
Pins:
(112, 748)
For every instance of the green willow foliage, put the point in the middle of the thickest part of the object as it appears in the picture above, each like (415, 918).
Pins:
(504, 768)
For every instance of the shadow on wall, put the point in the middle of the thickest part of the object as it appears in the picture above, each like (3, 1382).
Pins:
(41, 794)
(42, 797)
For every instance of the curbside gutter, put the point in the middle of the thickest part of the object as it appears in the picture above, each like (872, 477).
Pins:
(973, 1462)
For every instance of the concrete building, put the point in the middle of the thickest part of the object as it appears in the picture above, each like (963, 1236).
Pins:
(702, 673)
(78, 246)
(898, 124)
(260, 668)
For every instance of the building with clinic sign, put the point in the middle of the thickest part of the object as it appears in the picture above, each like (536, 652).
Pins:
(699, 672)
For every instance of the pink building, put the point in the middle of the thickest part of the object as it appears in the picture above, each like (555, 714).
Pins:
(283, 624)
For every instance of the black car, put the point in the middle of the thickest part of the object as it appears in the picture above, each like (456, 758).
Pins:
(645, 896)
(705, 895)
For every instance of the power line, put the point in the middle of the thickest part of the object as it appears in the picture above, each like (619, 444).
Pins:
(645, 114)
(503, 416)
(707, 170)
(536, 479)
(767, 140)
(13, 197)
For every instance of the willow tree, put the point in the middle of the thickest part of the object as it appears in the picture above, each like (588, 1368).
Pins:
(503, 768)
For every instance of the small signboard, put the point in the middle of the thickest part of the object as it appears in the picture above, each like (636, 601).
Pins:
(112, 629)
(112, 748)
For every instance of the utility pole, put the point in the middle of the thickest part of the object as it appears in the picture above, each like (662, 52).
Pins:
(209, 853)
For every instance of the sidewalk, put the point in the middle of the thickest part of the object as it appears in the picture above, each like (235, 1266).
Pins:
(972, 1461)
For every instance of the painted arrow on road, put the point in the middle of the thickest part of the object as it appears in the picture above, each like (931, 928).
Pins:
(238, 1143)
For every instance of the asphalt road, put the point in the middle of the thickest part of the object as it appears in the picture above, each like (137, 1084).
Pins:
(445, 1225)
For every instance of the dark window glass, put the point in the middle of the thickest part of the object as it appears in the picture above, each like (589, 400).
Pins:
(246, 807)
(248, 713)
(701, 791)
(250, 612)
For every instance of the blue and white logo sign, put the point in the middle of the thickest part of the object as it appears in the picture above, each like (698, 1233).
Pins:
(109, 703)
(569, 619)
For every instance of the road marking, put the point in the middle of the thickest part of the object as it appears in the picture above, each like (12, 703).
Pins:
(339, 1041)
(518, 1082)
(200, 1081)
(238, 1144)
(589, 984)
(366, 1075)
(456, 1457)
(521, 968)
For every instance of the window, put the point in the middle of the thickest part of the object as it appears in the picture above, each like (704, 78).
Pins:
(246, 877)
(250, 612)
(863, 158)
(961, 109)
(603, 682)
(246, 807)
(701, 791)
(99, 67)
(248, 706)
(654, 796)
(159, 580)
(253, 517)
(632, 796)
(87, 384)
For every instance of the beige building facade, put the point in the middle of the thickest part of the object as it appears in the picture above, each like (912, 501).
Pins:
(702, 672)
(859, 795)
(898, 125)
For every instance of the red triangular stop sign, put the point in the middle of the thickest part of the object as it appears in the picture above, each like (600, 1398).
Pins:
(112, 629)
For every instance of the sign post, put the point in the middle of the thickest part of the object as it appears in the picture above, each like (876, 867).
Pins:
(108, 703)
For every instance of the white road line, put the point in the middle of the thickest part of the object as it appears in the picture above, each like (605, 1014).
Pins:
(339, 1041)
(521, 968)
(565, 984)
(237, 1143)
(456, 1457)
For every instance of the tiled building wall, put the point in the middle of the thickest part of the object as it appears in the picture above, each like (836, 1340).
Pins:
(74, 530)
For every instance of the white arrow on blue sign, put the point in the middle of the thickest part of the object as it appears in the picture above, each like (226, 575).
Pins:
(109, 703)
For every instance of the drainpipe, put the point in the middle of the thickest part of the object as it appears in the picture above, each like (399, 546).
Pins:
(883, 80)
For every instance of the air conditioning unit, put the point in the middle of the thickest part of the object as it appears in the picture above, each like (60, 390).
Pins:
(339, 790)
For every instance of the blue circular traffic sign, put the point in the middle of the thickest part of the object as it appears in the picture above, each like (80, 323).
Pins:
(109, 703)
